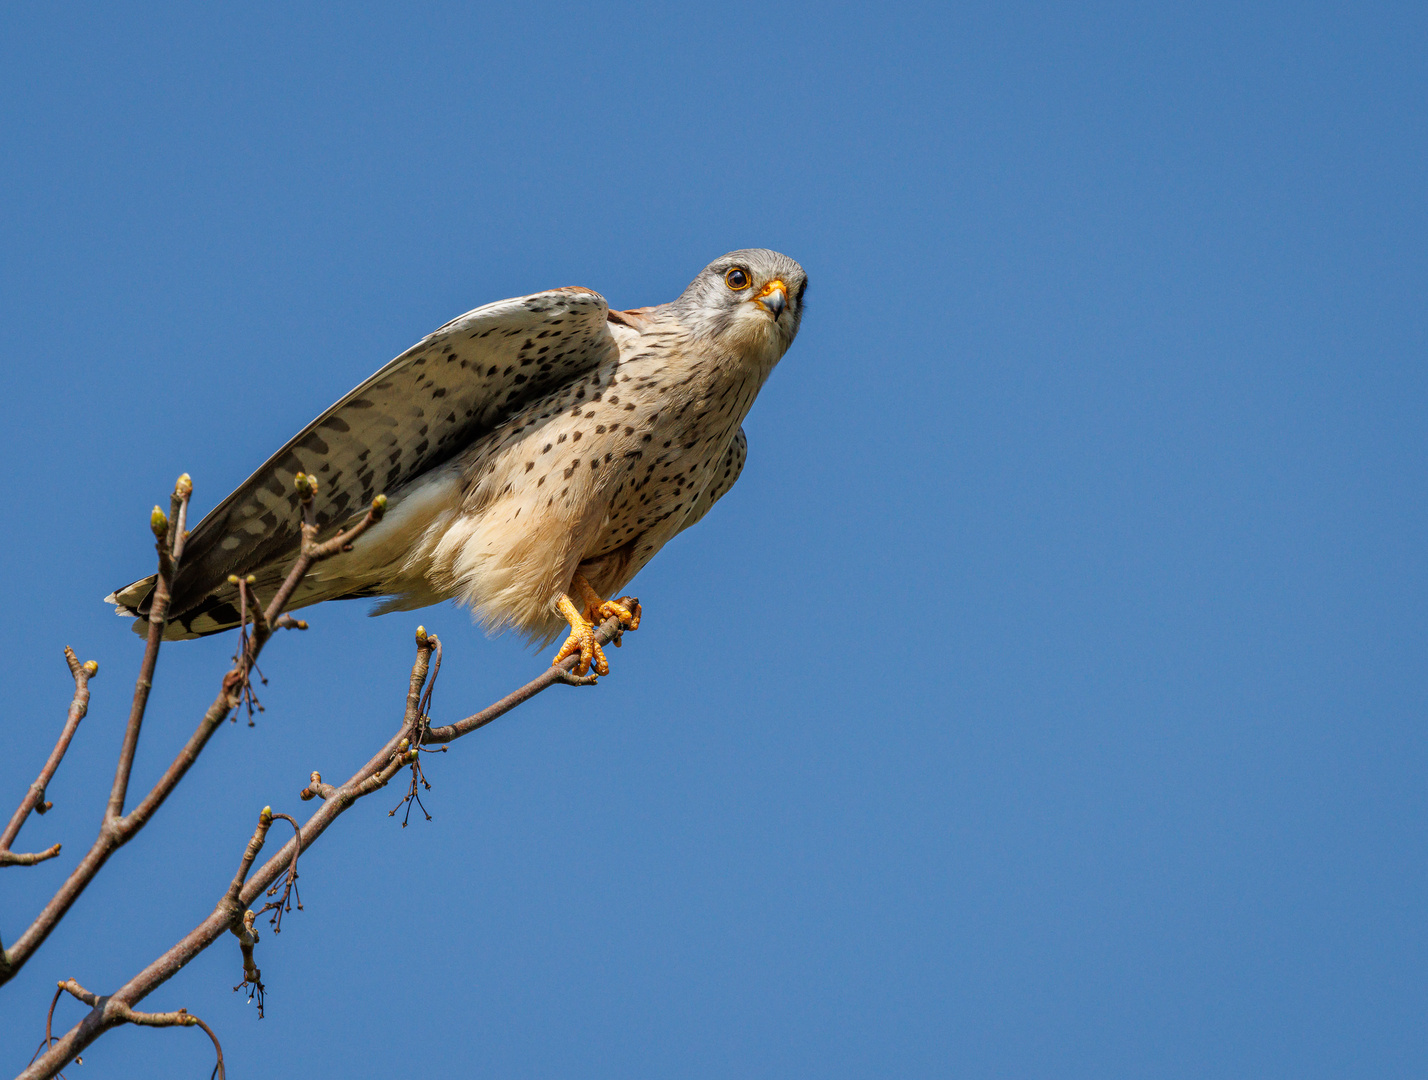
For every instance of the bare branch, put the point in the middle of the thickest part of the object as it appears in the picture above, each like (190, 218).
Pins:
(561, 673)
(49, 1026)
(117, 831)
(316, 788)
(111, 1012)
(247, 610)
(171, 535)
(255, 845)
(35, 798)
(399, 751)
(238, 681)
(71, 987)
(312, 551)
(290, 893)
(29, 858)
(247, 938)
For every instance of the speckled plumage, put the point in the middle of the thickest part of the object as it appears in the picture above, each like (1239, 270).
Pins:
(519, 443)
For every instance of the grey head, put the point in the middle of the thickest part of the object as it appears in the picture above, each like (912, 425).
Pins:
(750, 301)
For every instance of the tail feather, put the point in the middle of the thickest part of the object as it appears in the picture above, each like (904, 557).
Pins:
(219, 610)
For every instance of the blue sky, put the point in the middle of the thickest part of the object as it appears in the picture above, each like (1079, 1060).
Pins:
(1045, 701)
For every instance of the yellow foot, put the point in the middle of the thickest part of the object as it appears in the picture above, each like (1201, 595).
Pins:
(627, 608)
(581, 640)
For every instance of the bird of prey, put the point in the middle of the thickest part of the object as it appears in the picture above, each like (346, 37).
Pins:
(535, 454)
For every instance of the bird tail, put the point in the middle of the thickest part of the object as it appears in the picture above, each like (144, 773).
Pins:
(219, 610)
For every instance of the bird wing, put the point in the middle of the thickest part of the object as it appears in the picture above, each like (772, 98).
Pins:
(418, 411)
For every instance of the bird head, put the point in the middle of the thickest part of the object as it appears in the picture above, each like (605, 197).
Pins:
(750, 301)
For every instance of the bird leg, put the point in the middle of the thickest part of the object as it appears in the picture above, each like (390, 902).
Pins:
(598, 610)
(581, 639)
(582, 625)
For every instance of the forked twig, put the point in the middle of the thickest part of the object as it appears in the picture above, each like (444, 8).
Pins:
(423, 723)
(118, 827)
(290, 893)
(35, 797)
(117, 1012)
(231, 914)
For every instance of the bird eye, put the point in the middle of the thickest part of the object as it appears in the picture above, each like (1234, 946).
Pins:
(737, 278)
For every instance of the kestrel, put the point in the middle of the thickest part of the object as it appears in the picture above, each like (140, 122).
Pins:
(535, 454)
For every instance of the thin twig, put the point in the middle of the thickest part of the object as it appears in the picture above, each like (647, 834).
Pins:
(248, 937)
(117, 831)
(238, 681)
(49, 1025)
(375, 774)
(29, 858)
(311, 550)
(418, 736)
(316, 789)
(255, 845)
(290, 893)
(245, 640)
(171, 535)
(118, 1012)
(35, 798)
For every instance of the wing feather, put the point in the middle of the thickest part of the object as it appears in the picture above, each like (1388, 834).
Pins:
(421, 409)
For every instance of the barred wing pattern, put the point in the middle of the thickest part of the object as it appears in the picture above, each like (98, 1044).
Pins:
(417, 412)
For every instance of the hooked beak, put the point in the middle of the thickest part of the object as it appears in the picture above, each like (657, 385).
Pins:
(774, 298)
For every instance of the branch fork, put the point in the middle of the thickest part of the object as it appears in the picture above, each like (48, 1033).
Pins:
(110, 1011)
(117, 827)
(35, 797)
(234, 912)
